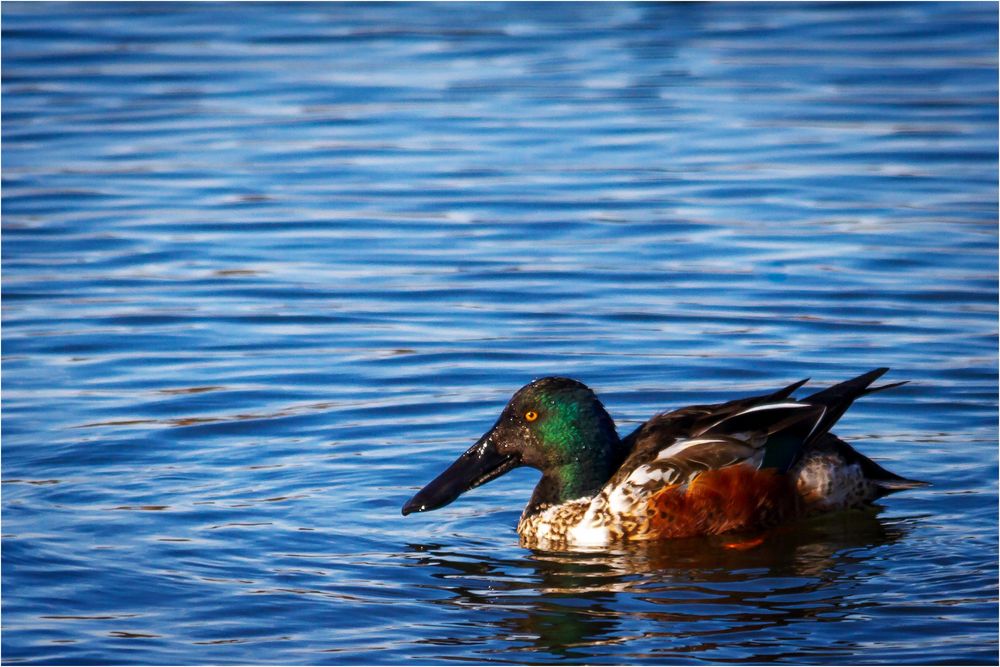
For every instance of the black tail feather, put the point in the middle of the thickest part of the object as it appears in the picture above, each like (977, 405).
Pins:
(849, 388)
(839, 397)
(836, 400)
(782, 394)
(872, 390)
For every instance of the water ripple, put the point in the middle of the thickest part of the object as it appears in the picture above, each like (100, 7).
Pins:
(266, 271)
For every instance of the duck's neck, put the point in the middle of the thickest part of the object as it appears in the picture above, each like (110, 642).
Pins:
(581, 477)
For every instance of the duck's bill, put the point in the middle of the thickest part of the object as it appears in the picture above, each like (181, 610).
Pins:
(480, 464)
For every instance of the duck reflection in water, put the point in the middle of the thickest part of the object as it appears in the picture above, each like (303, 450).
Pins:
(683, 592)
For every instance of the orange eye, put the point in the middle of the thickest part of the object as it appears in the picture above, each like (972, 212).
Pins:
(531, 415)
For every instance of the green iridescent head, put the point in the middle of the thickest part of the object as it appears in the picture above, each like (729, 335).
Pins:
(556, 425)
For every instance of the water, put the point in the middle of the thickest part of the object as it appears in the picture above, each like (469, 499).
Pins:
(268, 269)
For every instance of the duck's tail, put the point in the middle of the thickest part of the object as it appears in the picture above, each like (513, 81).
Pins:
(886, 481)
(836, 400)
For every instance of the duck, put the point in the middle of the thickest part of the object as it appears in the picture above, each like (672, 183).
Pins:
(744, 466)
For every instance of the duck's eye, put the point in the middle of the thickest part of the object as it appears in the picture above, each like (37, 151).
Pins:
(531, 415)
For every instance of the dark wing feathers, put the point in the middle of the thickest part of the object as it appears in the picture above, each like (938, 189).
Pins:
(765, 419)
(786, 439)
(839, 397)
(661, 430)
(706, 415)
(780, 429)
(771, 430)
(787, 391)
(854, 387)
(697, 458)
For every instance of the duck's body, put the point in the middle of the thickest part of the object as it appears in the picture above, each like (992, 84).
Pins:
(662, 499)
(744, 465)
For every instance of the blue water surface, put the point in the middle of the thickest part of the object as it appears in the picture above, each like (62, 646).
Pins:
(267, 269)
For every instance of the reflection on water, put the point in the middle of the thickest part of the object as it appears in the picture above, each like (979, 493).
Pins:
(691, 595)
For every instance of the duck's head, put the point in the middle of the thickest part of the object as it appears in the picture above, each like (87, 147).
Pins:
(556, 425)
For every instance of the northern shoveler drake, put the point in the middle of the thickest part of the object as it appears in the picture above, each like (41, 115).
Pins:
(746, 465)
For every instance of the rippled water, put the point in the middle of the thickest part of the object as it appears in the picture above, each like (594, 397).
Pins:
(268, 269)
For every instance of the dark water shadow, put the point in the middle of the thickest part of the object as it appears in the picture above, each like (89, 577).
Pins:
(684, 597)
